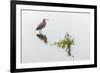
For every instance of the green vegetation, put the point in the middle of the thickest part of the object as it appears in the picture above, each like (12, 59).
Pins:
(67, 42)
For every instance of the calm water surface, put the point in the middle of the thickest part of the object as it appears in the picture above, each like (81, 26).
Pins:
(38, 47)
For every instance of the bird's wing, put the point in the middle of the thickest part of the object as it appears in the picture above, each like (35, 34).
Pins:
(40, 26)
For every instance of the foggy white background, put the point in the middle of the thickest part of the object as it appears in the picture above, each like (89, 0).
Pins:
(76, 24)
(5, 36)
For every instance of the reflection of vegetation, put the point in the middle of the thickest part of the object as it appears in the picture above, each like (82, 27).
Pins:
(67, 42)
(42, 37)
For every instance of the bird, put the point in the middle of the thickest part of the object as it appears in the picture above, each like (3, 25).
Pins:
(42, 25)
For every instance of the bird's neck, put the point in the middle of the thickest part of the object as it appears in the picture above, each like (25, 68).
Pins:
(44, 21)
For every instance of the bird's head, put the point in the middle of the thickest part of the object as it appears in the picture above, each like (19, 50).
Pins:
(44, 20)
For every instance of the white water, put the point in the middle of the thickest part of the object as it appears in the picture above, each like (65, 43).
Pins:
(35, 50)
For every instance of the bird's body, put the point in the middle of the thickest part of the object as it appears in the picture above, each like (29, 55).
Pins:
(41, 25)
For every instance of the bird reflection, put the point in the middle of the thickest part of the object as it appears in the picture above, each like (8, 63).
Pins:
(42, 37)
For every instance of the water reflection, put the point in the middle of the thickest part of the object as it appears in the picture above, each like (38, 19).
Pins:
(42, 37)
(66, 43)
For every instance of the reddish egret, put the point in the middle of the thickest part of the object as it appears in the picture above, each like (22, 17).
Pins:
(42, 24)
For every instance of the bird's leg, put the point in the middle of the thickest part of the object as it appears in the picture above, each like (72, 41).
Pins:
(40, 31)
